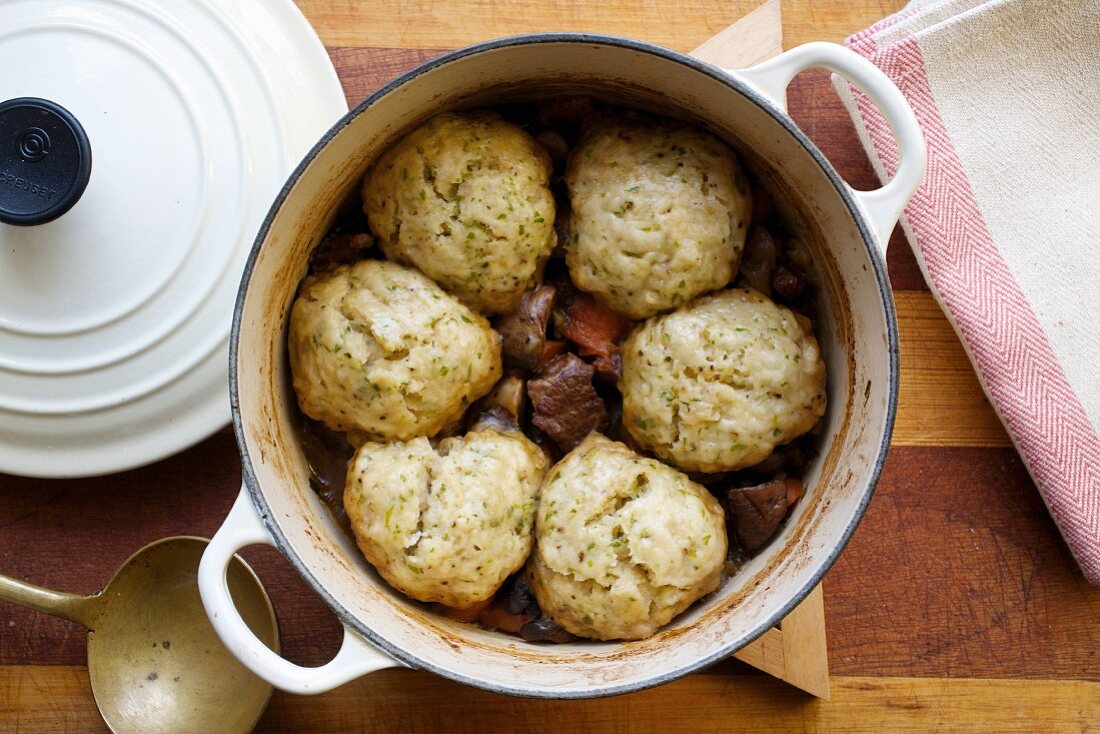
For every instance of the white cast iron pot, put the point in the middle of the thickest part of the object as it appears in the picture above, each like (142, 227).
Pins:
(846, 230)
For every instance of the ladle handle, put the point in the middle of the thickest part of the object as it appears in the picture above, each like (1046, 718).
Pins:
(884, 205)
(244, 527)
(72, 607)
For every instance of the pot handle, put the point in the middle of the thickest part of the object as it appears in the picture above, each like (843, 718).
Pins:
(883, 205)
(243, 527)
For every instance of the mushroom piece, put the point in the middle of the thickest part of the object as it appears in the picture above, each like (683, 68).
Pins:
(523, 331)
(503, 407)
(788, 284)
(758, 260)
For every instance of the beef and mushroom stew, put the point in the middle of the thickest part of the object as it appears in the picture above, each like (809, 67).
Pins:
(557, 369)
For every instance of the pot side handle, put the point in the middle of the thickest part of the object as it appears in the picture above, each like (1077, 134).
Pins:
(884, 205)
(243, 527)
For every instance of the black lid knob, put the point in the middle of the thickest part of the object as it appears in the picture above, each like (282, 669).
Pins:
(45, 161)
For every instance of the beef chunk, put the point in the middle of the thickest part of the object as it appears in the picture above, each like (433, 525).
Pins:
(524, 330)
(495, 417)
(609, 368)
(514, 610)
(756, 512)
(566, 405)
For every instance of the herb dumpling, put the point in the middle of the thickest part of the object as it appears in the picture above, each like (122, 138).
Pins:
(380, 351)
(659, 214)
(716, 386)
(446, 524)
(624, 543)
(466, 199)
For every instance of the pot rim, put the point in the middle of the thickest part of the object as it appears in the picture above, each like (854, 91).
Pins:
(869, 239)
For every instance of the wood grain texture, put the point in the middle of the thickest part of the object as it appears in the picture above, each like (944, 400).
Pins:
(72, 535)
(704, 703)
(951, 572)
(410, 702)
(364, 70)
(957, 570)
(681, 26)
(47, 699)
(805, 652)
(766, 654)
(795, 651)
(455, 23)
(756, 37)
(941, 402)
(821, 20)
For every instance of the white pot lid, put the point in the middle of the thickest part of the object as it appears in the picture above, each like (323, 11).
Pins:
(115, 315)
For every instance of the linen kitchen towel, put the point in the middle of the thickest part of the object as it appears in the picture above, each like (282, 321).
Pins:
(1006, 225)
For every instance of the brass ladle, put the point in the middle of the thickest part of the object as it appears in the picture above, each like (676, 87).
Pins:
(155, 663)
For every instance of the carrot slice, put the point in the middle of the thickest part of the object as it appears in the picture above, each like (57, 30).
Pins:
(497, 617)
(550, 349)
(594, 327)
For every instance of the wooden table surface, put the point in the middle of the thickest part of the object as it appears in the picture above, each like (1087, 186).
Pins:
(955, 607)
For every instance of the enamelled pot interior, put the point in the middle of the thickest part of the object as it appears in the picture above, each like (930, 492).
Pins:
(855, 325)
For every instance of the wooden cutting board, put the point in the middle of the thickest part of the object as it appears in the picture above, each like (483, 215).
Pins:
(955, 607)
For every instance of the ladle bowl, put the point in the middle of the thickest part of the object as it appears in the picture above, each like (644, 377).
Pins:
(154, 661)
